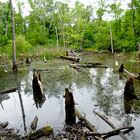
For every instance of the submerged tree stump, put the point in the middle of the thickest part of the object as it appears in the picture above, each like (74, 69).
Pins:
(121, 68)
(70, 118)
(129, 92)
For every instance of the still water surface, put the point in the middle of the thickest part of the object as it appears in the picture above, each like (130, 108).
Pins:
(96, 89)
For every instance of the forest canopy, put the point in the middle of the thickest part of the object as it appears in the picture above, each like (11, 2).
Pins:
(54, 24)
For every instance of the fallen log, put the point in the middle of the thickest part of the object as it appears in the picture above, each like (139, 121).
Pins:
(13, 89)
(111, 133)
(71, 58)
(88, 124)
(88, 65)
(106, 119)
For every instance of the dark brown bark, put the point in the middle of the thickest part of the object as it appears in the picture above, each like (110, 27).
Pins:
(129, 92)
(121, 68)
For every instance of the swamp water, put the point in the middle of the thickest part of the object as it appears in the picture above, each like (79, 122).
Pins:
(99, 89)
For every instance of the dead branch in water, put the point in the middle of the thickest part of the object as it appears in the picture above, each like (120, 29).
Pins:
(88, 65)
(106, 119)
(88, 124)
(13, 89)
(114, 132)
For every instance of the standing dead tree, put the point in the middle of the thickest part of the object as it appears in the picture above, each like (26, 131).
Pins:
(13, 39)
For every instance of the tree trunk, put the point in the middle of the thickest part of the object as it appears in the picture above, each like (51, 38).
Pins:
(13, 39)
(57, 41)
(139, 51)
(112, 49)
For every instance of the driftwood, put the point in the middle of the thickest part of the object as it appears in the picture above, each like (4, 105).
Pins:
(88, 124)
(87, 65)
(70, 118)
(8, 90)
(114, 132)
(71, 58)
(106, 119)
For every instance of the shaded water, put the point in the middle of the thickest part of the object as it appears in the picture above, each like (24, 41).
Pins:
(93, 89)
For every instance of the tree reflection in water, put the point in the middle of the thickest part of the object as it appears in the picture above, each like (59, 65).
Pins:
(2, 98)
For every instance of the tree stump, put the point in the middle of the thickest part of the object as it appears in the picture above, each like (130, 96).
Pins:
(129, 92)
(121, 69)
(70, 118)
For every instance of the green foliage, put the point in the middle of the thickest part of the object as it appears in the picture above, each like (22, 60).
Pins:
(55, 23)
(22, 46)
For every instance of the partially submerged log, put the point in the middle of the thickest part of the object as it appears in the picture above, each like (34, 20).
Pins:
(114, 132)
(106, 119)
(88, 65)
(87, 124)
(71, 58)
(70, 118)
(129, 92)
(13, 89)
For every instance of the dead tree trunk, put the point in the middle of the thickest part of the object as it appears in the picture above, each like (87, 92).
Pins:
(57, 41)
(70, 118)
(139, 51)
(129, 92)
(13, 39)
(112, 49)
